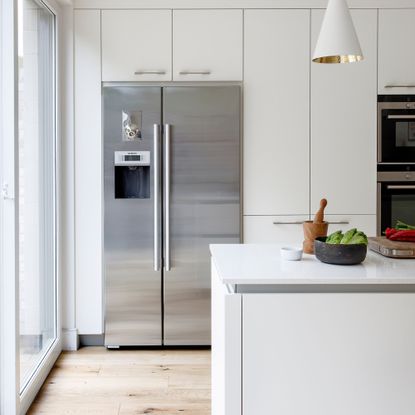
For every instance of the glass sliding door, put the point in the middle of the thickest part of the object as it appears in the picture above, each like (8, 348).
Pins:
(36, 184)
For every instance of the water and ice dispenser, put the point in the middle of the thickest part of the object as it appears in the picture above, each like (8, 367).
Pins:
(132, 174)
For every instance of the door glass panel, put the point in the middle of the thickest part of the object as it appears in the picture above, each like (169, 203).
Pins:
(37, 273)
(403, 208)
(405, 134)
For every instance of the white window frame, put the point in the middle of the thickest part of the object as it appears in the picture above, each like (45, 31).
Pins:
(11, 401)
(9, 374)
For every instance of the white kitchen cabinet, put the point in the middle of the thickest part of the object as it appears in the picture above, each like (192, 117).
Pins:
(136, 45)
(289, 229)
(207, 45)
(396, 51)
(328, 353)
(365, 223)
(276, 112)
(226, 342)
(88, 171)
(274, 229)
(343, 124)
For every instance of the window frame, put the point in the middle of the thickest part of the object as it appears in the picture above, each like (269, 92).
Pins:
(12, 401)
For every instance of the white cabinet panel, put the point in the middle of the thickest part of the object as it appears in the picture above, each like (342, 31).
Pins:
(226, 348)
(365, 223)
(274, 229)
(343, 126)
(88, 172)
(207, 41)
(136, 43)
(396, 51)
(326, 354)
(276, 112)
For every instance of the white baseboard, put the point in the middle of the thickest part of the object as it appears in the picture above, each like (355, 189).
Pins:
(70, 339)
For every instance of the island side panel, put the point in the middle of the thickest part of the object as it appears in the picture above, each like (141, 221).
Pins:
(226, 348)
(332, 353)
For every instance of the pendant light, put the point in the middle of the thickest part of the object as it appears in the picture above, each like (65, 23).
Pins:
(337, 42)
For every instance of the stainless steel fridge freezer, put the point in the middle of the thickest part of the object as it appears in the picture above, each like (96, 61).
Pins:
(171, 188)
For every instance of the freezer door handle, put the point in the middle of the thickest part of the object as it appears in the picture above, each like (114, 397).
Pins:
(167, 158)
(156, 150)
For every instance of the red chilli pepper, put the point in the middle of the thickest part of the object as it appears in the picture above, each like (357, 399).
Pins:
(404, 236)
(390, 231)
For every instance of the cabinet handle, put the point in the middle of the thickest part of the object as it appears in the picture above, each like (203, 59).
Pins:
(401, 117)
(400, 86)
(401, 187)
(289, 223)
(340, 222)
(149, 72)
(207, 72)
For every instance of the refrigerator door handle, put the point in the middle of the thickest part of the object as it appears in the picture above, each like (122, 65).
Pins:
(167, 158)
(156, 150)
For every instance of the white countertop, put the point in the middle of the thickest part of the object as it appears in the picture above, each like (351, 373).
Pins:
(262, 264)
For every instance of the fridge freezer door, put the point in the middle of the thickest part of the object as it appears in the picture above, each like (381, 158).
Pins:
(132, 285)
(204, 130)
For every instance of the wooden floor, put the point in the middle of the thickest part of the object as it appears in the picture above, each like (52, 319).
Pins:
(120, 382)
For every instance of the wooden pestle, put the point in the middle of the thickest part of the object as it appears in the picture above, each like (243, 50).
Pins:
(319, 217)
(314, 229)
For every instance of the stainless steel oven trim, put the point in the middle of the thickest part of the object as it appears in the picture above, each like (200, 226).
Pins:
(392, 106)
(396, 176)
(393, 180)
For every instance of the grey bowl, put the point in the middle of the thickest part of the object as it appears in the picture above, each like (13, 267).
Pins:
(339, 254)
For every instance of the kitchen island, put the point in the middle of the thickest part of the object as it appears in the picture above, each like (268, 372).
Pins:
(307, 338)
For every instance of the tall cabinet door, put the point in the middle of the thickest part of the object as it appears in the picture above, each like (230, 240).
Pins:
(136, 45)
(343, 124)
(276, 112)
(396, 51)
(88, 171)
(132, 280)
(204, 201)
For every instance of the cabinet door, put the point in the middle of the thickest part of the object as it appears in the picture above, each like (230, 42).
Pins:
(136, 45)
(328, 353)
(274, 229)
(396, 52)
(276, 112)
(207, 45)
(88, 171)
(343, 125)
(365, 223)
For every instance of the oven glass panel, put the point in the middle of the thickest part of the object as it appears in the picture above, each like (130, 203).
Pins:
(405, 134)
(403, 208)
(398, 136)
(398, 203)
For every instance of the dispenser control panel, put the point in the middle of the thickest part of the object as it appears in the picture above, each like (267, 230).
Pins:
(132, 158)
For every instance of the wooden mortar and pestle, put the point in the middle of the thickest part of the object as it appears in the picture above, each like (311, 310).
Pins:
(314, 229)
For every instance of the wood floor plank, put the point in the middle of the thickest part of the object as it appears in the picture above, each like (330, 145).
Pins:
(95, 381)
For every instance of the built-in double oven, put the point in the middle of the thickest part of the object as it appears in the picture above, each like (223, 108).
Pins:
(396, 160)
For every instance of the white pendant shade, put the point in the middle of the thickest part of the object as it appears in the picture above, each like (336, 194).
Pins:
(337, 42)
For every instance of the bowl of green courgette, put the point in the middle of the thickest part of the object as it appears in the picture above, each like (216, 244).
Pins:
(349, 248)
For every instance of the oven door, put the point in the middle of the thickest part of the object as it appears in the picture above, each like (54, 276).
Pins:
(396, 132)
(396, 201)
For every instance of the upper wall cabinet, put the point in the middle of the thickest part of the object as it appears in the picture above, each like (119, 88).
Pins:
(343, 126)
(396, 51)
(276, 112)
(136, 45)
(207, 45)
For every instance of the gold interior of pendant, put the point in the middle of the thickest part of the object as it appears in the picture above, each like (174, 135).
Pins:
(339, 59)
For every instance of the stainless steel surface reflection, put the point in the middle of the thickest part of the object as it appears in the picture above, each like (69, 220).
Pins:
(200, 206)
(132, 287)
(204, 201)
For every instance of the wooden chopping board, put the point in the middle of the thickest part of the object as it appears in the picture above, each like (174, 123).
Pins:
(392, 249)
